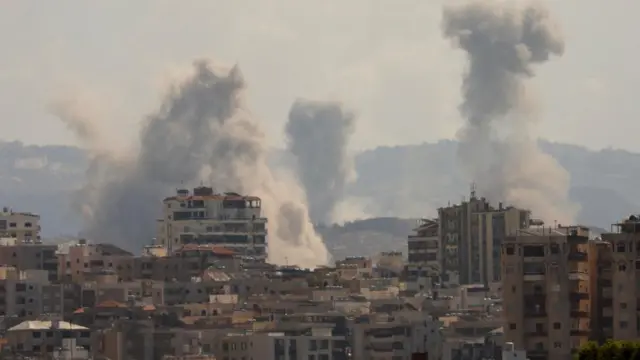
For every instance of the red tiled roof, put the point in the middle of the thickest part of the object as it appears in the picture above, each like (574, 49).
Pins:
(79, 311)
(148, 308)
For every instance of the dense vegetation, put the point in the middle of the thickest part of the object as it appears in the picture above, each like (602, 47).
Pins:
(611, 350)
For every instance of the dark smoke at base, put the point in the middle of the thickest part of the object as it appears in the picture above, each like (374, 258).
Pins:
(201, 131)
(503, 40)
(318, 134)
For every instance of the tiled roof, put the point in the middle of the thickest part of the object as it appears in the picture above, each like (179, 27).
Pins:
(218, 250)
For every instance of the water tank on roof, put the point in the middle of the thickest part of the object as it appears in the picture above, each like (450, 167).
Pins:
(633, 218)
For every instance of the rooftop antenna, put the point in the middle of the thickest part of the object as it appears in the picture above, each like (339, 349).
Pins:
(473, 190)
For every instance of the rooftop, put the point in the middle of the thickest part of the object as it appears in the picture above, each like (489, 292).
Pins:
(46, 325)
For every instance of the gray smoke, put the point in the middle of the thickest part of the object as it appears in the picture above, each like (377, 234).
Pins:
(318, 135)
(503, 41)
(201, 131)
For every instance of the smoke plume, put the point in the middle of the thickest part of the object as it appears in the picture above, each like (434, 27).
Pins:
(503, 42)
(318, 135)
(202, 130)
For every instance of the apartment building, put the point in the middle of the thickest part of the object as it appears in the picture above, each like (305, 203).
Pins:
(228, 220)
(291, 341)
(79, 261)
(398, 336)
(471, 234)
(424, 259)
(493, 227)
(30, 256)
(618, 286)
(546, 277)
(23, 226)
(28, 293)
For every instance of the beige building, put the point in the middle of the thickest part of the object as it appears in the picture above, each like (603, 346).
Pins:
(25, 227)
(203, 217)
(38, 338)
(424, 260)
(30, 256)
(83, 259)
(547, 290)
(619, 282)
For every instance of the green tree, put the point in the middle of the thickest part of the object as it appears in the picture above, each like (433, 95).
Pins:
(611, 350)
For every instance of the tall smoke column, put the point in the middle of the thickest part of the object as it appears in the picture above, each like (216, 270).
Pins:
(503, 41)
(201, 129)
(318, 135)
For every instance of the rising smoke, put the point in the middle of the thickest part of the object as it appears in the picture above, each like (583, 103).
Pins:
(503, 41)
(202, 130)
(318, 135)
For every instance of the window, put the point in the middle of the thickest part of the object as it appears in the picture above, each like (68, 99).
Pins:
(554, 248)
(312, 357)
(12, 224)
(512, 326)
(324, 344)
(323, 357)
(623, 324)
(37, 334)
(313, 345)
(622, 267)
(623, 306)
(27, 224)
(510, 250)
(533, 251)
(620, 247)
(557, 345)
(556, 325)
(513, 289)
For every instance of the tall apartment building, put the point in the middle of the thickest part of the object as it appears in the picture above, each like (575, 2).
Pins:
(424, 265)
(546, 277)
(471, 234)
(229, 220)
(20, 225)
(618, 282)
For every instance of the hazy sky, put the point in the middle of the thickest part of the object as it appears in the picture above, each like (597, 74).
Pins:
(386, 59)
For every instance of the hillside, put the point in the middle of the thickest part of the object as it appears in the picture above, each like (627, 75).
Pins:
(403, 181)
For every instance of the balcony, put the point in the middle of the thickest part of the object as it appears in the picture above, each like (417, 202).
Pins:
(577, 295)
(576, 313)
(537, 354)
(578, 256)
(580, 332)
(537, 333)
(534, 313)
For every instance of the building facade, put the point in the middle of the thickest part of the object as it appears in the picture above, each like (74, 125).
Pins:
(547, 294)
(23, 226)
(228, 220)
(424, 259)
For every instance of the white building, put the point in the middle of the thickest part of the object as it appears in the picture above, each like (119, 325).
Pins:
(424, 263)
(25, 227)
(229, 220)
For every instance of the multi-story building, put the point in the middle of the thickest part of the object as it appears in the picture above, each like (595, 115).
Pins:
(28, 293)
(547, 290)
(618, 283)
(20, 225)
(30, 256)
(424, 265)
(203, 217)
(493, 227)
(471, 234)
(83, 259)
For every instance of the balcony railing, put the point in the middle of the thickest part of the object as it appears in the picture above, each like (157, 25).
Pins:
(576, 313)
(578, 256)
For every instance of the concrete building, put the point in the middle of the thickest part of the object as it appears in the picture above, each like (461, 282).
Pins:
(28, 293)
(23, 226)
(618, 287)
(81, 260)
(30, 256)
(203, 217)
(425, 258)
(40, 338)
(493, 227)
(471, 234)
(547, 290)
(398, 336)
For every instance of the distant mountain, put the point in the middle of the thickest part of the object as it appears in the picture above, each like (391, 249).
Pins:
(403, 181)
